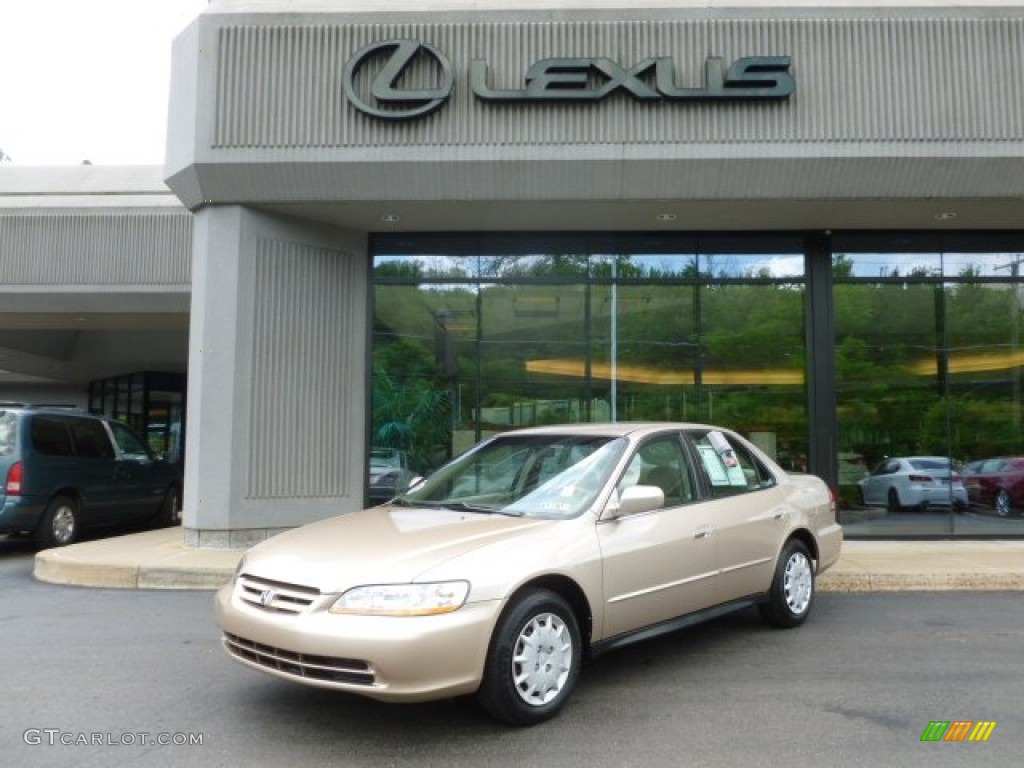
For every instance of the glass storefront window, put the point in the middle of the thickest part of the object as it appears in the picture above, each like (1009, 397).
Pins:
(564, 328)
(476, 334)
(928, 365)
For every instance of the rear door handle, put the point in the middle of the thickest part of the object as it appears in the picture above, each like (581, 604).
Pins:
(705, 532)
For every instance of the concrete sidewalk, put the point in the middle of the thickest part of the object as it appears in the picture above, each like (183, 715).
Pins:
(160, 560)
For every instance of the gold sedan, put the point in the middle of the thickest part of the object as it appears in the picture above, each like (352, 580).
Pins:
(502, 571)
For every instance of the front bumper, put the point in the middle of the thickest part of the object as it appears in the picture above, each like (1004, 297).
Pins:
(400, 659)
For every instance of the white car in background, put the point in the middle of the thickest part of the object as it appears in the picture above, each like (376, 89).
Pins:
(914, 482)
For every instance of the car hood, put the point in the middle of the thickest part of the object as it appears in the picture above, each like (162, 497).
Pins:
(386, 544)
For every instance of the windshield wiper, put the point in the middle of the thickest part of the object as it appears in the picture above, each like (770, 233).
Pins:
(458, 506)
(466, 507)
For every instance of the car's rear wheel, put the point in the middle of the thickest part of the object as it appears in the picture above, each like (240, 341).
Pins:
(59, 526)
(893, 500)
(533, 662)
(792, 591)
(1003, 504)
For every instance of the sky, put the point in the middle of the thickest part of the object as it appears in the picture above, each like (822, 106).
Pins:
(87, 79)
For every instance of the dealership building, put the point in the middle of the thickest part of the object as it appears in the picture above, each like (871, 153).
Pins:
(410, 225)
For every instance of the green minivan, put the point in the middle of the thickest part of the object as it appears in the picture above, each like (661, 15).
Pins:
(65, 469)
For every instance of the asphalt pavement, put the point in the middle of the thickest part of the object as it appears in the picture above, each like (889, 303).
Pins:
(159, 559)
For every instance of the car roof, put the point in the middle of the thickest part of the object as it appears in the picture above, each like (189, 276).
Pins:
(48, 409)
(610, 429)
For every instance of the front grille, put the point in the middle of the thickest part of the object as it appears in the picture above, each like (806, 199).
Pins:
(305, 665)
(275, 596)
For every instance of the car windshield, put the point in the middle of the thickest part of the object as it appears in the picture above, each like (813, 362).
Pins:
(552, 476)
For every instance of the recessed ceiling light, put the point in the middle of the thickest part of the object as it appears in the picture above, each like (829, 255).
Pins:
(390, 218)
(666, 217)
(945, 215)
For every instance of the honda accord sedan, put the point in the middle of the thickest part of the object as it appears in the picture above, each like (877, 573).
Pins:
(539, 548)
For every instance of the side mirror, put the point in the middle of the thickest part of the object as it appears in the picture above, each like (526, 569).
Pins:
(636, 499)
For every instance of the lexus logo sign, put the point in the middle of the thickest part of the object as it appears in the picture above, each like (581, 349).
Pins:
(389, 102)
(376, 80)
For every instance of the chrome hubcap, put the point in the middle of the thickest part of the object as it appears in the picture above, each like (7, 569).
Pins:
(798, 583)
(1003, 504)
(542, 659)
(63, 524)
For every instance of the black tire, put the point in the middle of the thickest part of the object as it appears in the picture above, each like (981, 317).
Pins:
(170, 509)
(533, 663)
(60, 523)
(893, 501)
(1003, 504)
(792, 591)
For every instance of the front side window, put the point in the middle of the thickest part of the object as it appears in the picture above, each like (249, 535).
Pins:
(662, 463)
(128, 443)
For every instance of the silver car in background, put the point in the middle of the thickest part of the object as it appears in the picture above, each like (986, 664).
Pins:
(914, 482)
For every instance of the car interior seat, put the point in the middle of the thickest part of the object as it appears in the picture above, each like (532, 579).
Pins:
(666, 478)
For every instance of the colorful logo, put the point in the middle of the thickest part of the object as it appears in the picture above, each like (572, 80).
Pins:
(958, 730)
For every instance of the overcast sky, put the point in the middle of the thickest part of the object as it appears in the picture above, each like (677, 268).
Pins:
(87, 79)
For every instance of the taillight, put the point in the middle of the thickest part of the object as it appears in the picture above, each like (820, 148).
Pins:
(920, 479)
(13, 487)
(832, 502)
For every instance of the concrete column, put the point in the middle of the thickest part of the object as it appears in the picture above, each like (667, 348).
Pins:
(277, 386)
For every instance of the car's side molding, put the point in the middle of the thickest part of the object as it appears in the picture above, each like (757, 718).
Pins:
(672, 625)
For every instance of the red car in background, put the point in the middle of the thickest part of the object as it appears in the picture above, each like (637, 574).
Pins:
(997, 483)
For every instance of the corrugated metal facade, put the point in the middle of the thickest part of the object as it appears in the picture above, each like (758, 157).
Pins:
(858, 80)
(102, 248)
(301, 349)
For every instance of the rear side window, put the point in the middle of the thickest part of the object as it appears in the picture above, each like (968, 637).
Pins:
(728, 466)
(50, 436)
(91, 439)
(8, 432)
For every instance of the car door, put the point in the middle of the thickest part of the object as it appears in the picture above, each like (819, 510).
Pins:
(746, 510)
(140, 483)
(658, 564)
(876, 485)
(95, 467)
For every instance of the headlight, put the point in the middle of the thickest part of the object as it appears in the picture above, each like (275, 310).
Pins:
(238, 569)
(403, 599)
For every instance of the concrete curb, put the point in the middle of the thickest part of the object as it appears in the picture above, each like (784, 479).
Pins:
(918, 582)
(151, 560)
(161, 560)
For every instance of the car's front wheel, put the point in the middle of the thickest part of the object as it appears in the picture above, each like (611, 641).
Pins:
(170, 509)
(1003, 504)
(59, 525)
(534, 659)
(792, 591)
